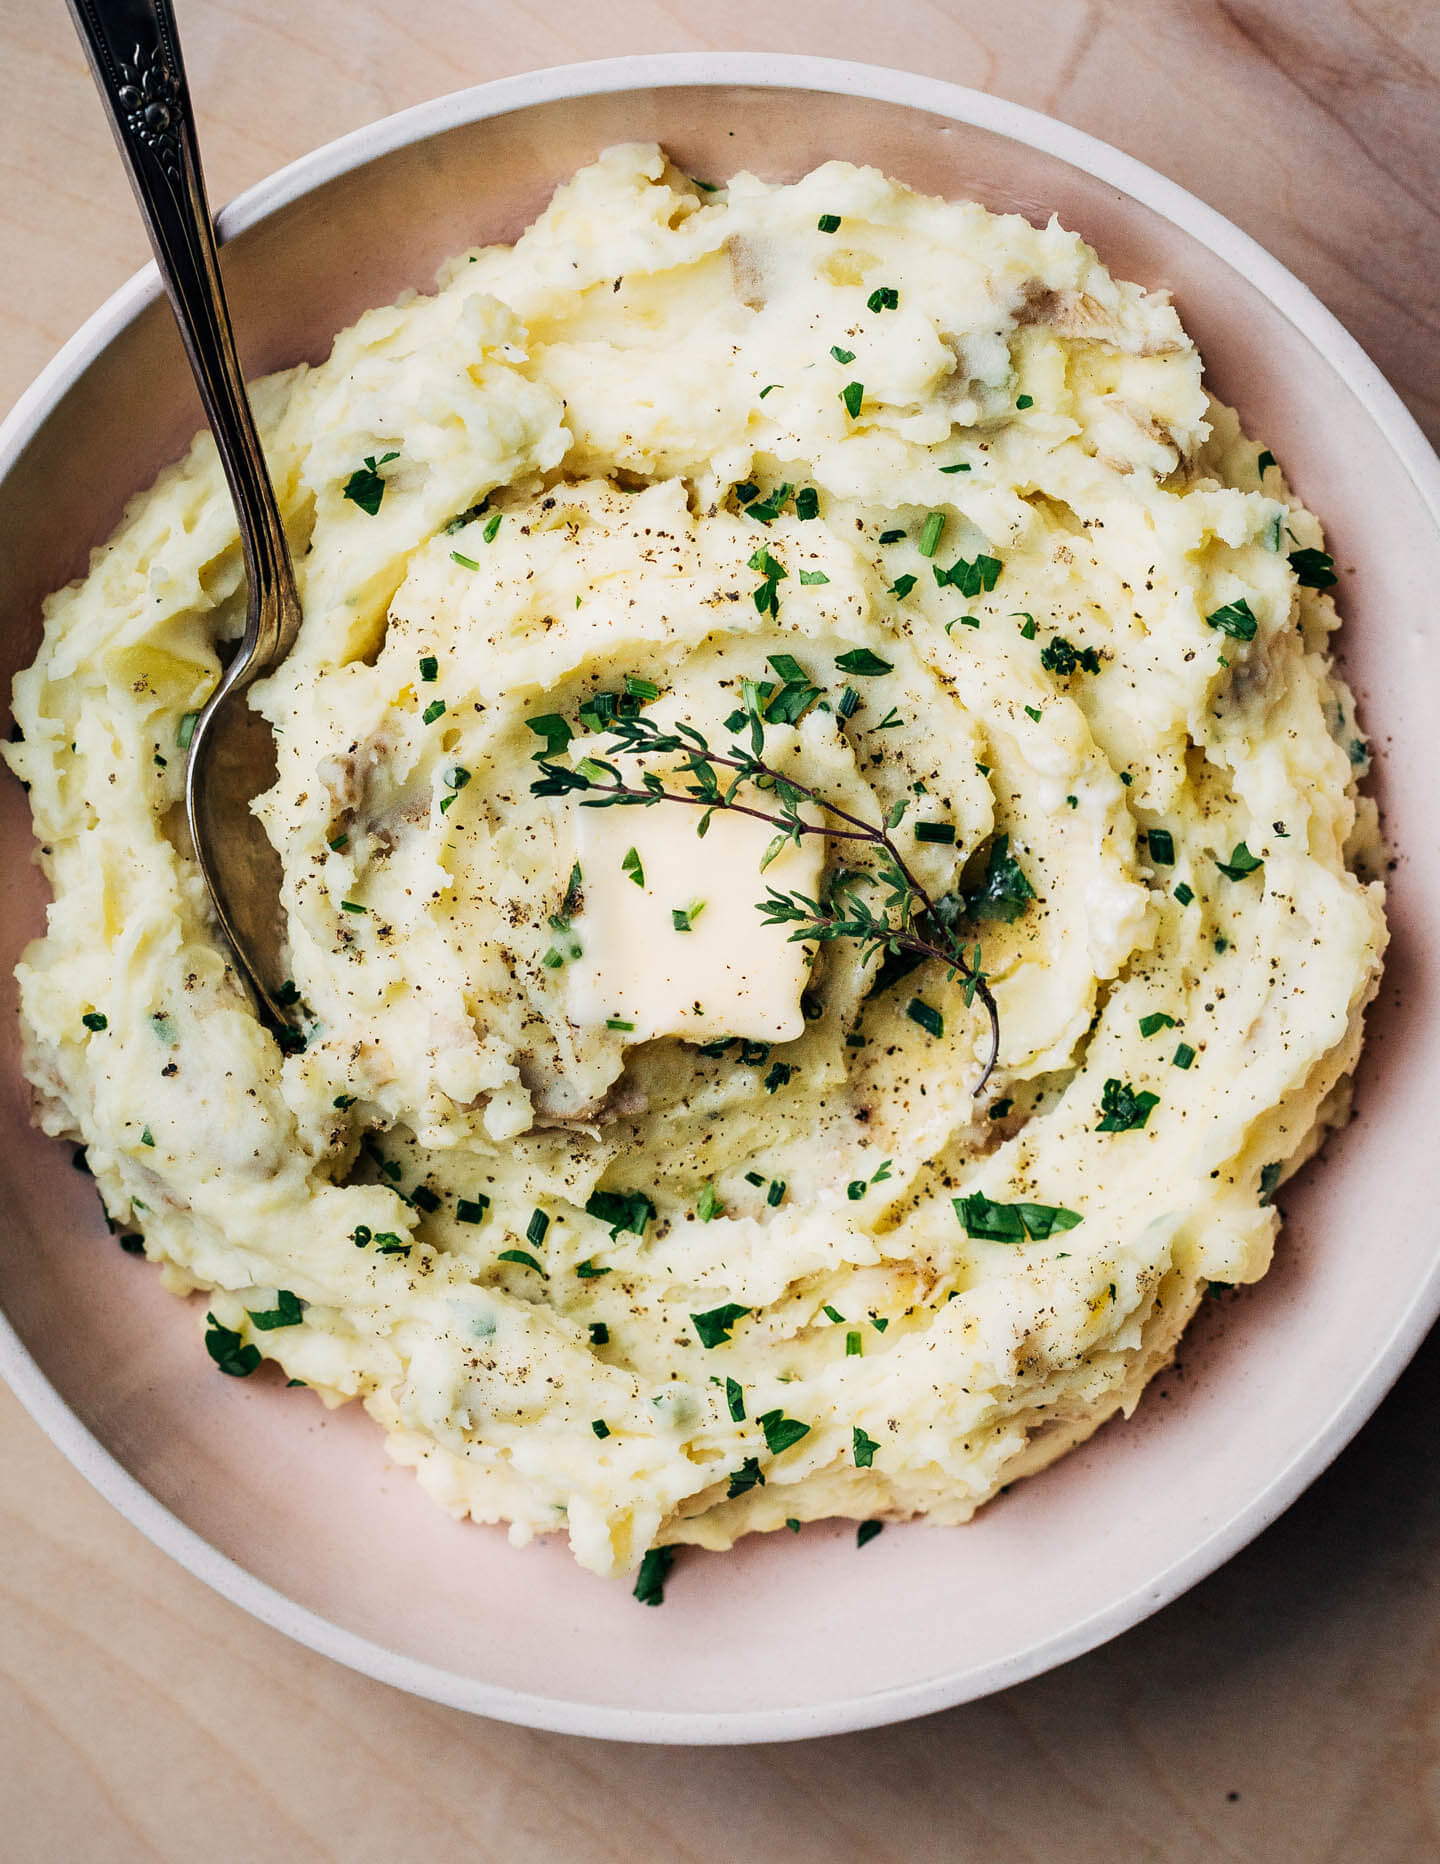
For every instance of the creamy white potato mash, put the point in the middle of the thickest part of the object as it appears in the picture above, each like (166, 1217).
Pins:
(625, 1215)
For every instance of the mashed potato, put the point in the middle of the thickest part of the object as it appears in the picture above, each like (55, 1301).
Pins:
(648, 1241)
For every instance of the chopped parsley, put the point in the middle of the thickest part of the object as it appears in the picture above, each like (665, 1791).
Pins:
(599, 1333)
(883, 298)
(683, 917)
(622, 1210)
(232, 1355)
(633, 866)
(1267, 458)
(365, 487)
(1269, 1180)
(587, 1270)
(1063, 657)
(1314, 569)
(768, 509)
(811, 577)
(853, 394)
(288, 1311)
(779, 1073)
(842, 355)
(147, 1138)
(867, 1531)
(712, 1328)
(860, 661)
(96, 1020)
(781, 1432)
(971, 579)
(767, 597)
(1241, 863)
(735, 1401)
(1123, 1109)
(863, 1445)
(748, 1476)
(654, 1571)
(901, 587)
(1237, 619)
(1005, 892)
(991, 1222)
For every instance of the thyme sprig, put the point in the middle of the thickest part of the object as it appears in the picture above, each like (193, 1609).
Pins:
(908, 919)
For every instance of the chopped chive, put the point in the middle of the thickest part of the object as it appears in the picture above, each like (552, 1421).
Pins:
(848, 702)
(1151, 1025)
(854, 1344)
(1123, 1109)
(867, 1531)
(492, 525)
(883, 298)
(929, 1019)
(757, 1178)
(735, 1401)
(1184, 893)
(429, 667)
(147, 1138)
(930, 535)
(522, 1256)
(600, 1428)
(807, 503)
(1161, 844)
(683, 917)
(1183, 1056)
(901, 587)
(587, 1270)
(776, 1193)
(433, 711)
(831, 1314)
(828, 223)
(338, 842)
(769, 389)
(537, 1226)
(842, 355)
(959, 466)
(618, 1022)
(943, 832)
(641, 689)
(852, 395)
(472, 1209)
(895, 536)
(1024, 401)
(708, 1205)
(96, 1020)
(353, 906)
(466, 563)
(185, 730)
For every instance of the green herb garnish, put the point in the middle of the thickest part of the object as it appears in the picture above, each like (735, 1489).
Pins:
(712, 1328)
(828, 223)
(1124, 1109)
(781, 1432)
(852, 395)
(861, 662)
(654, 1571)
(735, 1401)
(991, 1222)
(288, 1311)
(1241, 863)
(929, 1019)
(931, 533)
(883, 298)
(1236, 619)
(1158, 1020)
(365, 487)
(1183, 1056)
(229, 1351)
(867, 1531)
(864, 1446)
(523, 1257)
(472, 1209)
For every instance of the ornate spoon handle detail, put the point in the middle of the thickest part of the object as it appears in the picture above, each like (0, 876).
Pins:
(134, 53)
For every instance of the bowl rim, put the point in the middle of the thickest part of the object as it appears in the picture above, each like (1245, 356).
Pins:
(1015, 122)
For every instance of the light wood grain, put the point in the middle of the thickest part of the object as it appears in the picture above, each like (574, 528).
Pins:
(1288, 1708)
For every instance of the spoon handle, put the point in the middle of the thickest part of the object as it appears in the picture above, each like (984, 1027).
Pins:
(134, 53)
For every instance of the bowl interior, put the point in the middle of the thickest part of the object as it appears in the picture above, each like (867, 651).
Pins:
(787, 1634)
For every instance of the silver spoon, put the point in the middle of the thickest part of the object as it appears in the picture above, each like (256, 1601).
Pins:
(134, 53)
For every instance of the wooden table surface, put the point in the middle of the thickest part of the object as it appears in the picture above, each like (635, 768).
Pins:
(1286, 1709)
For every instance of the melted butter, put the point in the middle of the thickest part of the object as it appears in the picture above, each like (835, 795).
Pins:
(730, 974)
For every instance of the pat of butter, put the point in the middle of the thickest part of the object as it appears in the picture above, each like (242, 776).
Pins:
(730, 974)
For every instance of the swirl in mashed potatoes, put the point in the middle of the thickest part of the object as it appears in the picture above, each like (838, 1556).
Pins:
(947, 443)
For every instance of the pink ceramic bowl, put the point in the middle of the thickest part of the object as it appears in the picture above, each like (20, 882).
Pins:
(296, 1515)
